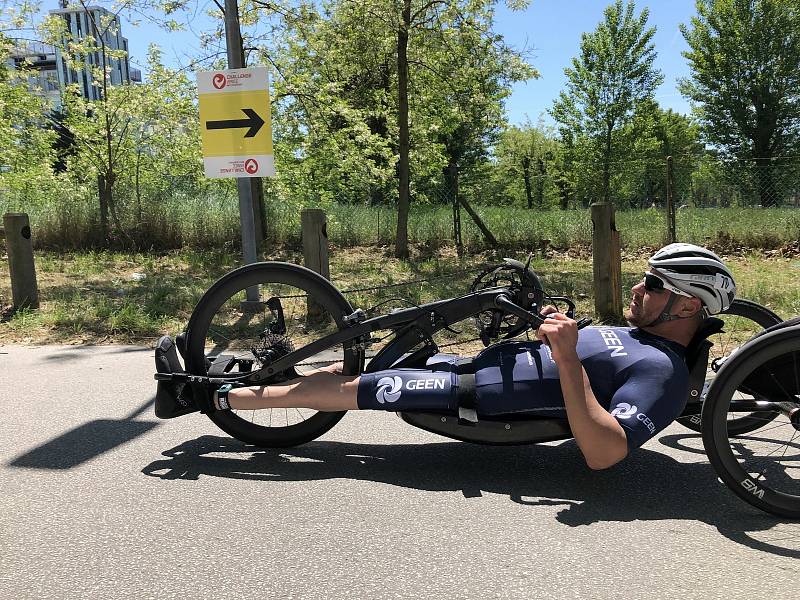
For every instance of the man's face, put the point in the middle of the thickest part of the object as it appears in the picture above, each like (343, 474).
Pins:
(645, 307)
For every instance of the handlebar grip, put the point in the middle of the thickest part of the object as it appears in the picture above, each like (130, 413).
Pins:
(584, 322)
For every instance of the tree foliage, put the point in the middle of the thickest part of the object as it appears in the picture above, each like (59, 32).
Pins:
(745, 61)
(379, 96)
(612, 76)
(529, 160)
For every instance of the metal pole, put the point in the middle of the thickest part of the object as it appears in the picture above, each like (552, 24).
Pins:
(671, 236)
(233, 41)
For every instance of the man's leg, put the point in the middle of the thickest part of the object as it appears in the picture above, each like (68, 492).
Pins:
(433, 388)
(321, 390)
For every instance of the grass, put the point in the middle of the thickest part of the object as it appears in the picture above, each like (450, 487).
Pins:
(209, 220)
(111, 297)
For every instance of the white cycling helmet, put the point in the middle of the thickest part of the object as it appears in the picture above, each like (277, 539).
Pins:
(696, 271)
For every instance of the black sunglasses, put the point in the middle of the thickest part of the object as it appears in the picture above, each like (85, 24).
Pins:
(653, 283)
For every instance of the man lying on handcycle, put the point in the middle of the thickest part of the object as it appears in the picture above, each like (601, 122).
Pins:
(617, 386)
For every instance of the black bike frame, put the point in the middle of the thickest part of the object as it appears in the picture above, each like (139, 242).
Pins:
(413, 325)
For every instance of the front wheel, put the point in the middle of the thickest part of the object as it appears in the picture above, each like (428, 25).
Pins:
(287, 307)
(763, 467)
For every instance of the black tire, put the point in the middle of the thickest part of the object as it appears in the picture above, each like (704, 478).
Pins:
(219, 319)
(759, 468)
(743, 320)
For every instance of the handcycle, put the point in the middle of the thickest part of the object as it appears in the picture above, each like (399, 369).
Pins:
(299, 320)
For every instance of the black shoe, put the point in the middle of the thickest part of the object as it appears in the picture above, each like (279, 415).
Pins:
(172, 399)
(167, 356)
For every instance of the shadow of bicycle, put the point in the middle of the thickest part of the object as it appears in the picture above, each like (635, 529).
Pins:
(646, 486)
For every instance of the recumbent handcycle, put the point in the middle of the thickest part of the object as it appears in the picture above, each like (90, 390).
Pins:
(265, 323)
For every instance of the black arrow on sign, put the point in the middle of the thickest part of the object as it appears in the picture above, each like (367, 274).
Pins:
(253, 121)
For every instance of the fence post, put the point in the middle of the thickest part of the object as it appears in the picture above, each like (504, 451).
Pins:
(451, 171)
(314, 233)
(670, 187)
(607, 263)
(17, 230)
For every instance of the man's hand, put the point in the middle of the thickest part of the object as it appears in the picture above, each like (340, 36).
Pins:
(560, 333)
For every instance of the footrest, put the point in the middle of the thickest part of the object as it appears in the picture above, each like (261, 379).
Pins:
(221, 365)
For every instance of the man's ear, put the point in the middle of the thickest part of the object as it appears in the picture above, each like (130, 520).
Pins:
(691, 307)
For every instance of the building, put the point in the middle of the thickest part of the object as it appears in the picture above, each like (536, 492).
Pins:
(52, 73)
(41, 59)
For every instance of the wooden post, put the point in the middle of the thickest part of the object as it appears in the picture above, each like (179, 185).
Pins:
(24, 291)
(670, 187)
(607, 263)
(314, 232)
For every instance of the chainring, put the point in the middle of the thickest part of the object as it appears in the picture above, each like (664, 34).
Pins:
(526, 290)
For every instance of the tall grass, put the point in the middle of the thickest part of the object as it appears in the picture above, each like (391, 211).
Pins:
(208, 218)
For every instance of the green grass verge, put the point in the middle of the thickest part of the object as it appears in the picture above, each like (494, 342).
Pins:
(101, 297)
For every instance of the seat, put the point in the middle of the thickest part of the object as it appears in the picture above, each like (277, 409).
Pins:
(507, 430)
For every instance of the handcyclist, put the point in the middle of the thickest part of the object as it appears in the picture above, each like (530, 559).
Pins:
(617, 386)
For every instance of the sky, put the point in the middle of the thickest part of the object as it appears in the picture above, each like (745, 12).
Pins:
(549, 29)
(552, 29)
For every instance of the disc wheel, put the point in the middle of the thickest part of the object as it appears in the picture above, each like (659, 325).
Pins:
(762, 467)
(743, 320)
(288, 307)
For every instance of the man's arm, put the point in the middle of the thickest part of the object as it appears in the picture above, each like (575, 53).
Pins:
(600, 437)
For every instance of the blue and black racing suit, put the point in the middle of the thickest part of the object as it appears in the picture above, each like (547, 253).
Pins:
(640, 378)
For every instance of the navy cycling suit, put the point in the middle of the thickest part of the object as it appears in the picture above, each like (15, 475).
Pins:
(640, 378)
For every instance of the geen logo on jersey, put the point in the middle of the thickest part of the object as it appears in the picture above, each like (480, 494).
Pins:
(623, 410)
(388, 389)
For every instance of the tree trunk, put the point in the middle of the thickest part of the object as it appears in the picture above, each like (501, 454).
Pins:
(540, 184)
(607, 168)
(765, 182)
(563, 193)
(526, 175)
(403, 201)
(138, 192)
(101, 193)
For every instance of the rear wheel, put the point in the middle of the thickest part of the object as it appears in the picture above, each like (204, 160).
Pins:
(743, 320)
(294, 306)
(763, 467)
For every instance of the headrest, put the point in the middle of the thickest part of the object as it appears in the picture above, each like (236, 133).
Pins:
(708, 327)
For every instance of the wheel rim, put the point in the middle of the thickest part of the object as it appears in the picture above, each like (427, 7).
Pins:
(763, 466)
(251, 331)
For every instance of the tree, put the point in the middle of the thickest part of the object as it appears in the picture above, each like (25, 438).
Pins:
(745, 61)
(392, 88)
(613, 74)
(653, 135)
(525, 156)
(26, 153)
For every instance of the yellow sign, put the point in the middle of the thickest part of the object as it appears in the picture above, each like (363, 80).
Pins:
(235, 123)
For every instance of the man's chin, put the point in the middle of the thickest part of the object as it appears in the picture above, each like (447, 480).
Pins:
(632, 320)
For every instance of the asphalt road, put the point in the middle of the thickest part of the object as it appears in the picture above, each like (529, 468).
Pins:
(98, 499)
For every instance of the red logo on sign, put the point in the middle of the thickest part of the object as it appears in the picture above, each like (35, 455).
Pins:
(250, 165)
(219, 81)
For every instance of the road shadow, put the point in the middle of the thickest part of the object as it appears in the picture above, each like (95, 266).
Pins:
(89, 351)
(648, 485)
(85, 442)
